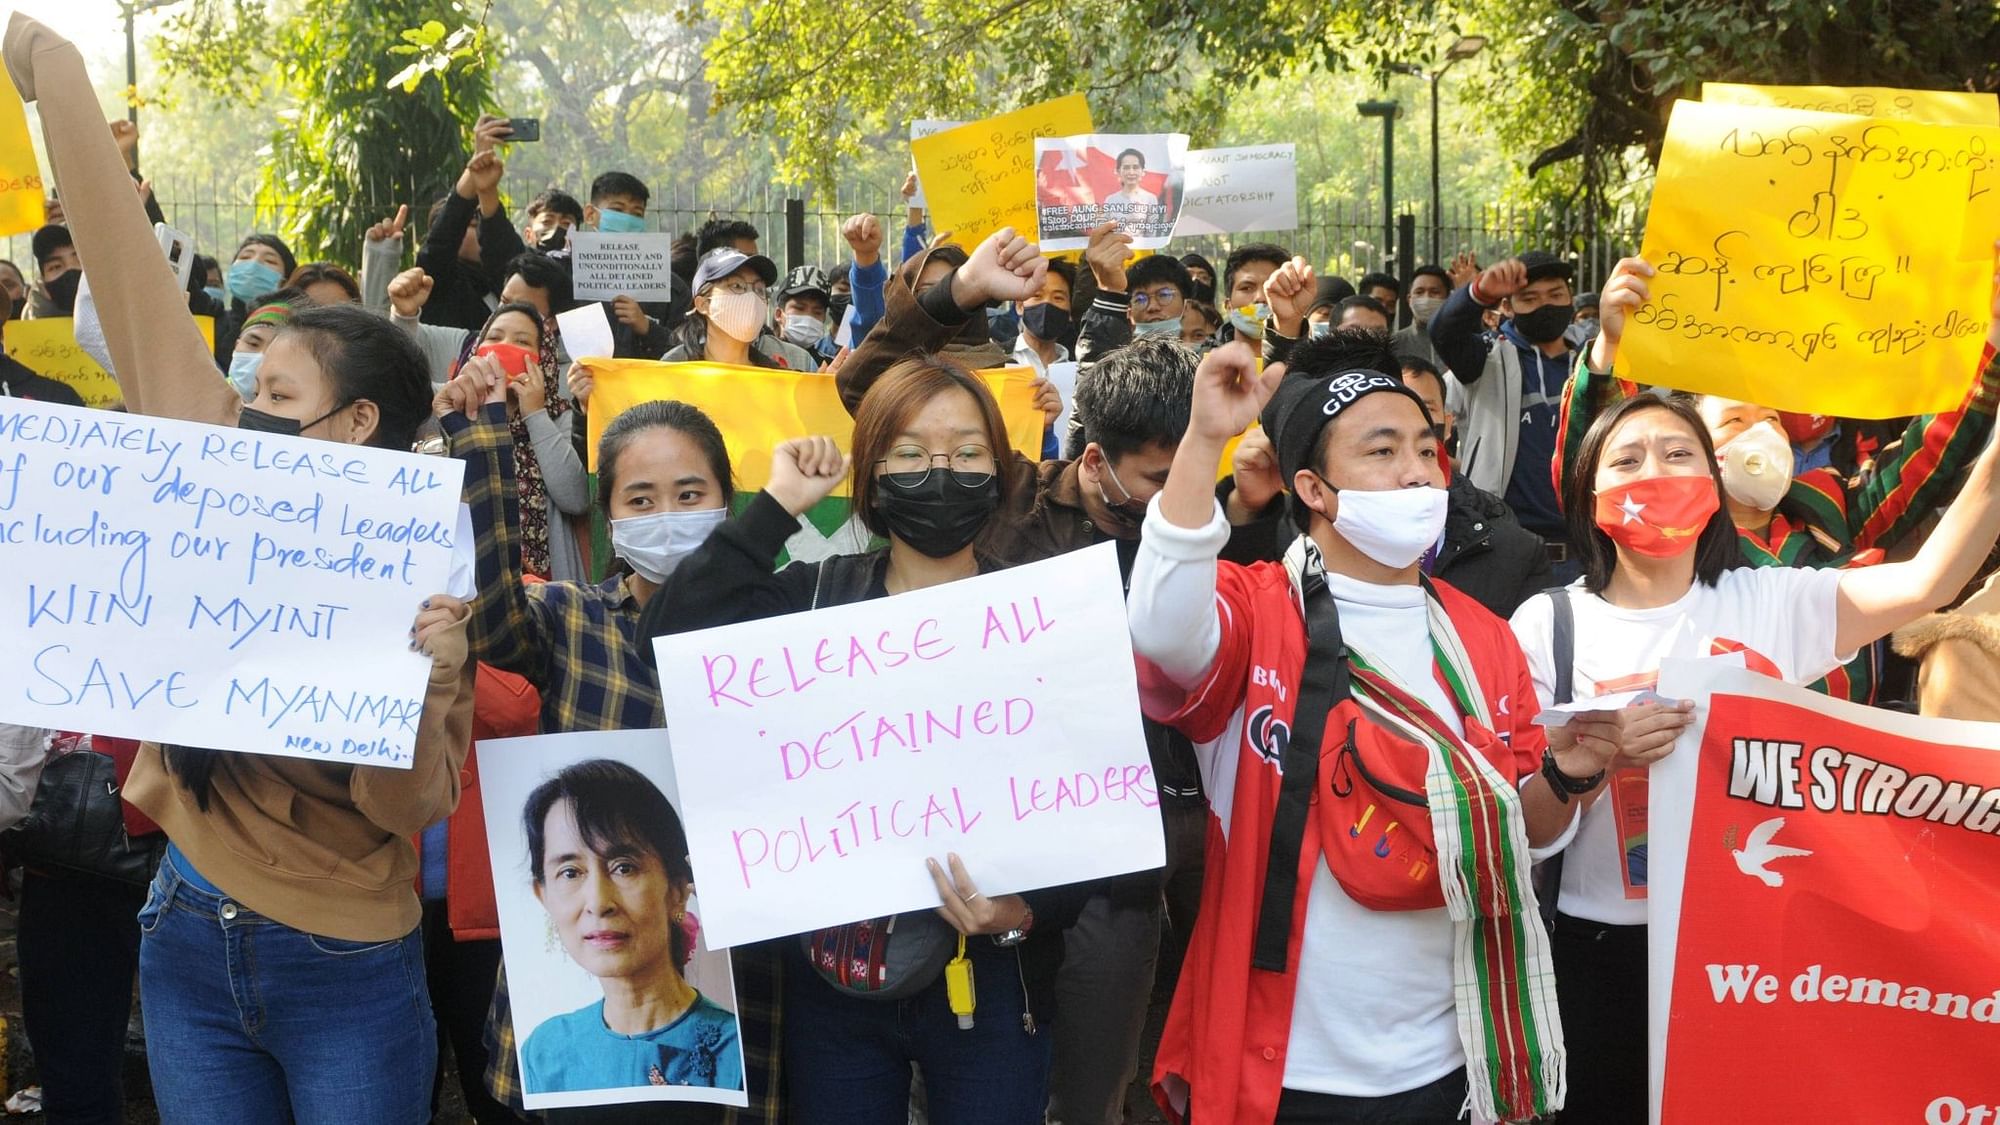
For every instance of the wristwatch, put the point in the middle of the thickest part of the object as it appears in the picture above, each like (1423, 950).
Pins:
(1563, 784)
(1018, 934)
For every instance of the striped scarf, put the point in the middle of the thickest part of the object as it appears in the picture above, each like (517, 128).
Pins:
(1502, 976)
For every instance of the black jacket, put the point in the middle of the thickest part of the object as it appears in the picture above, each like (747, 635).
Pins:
(458, 299)
(18, 381)
(1487, 554)
(730, 579)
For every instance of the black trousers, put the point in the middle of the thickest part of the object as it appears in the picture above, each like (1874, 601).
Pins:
(1438, 1103)
(461, 981)
(78, 947)
(1601, 991)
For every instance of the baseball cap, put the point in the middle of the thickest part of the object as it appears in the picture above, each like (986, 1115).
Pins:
(802, 280)
(723, 261)
(1542, 264)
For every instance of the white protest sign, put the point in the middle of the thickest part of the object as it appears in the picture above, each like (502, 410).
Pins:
(1063, 375)
(1239, 190)
(586, 332)
(1132, 179)
(215, 587)
(924, 127)
(824, 756)
(605, 266)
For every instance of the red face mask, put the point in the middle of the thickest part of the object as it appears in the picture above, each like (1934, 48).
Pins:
(1802, 428)
(1660, 516)
(512, 358)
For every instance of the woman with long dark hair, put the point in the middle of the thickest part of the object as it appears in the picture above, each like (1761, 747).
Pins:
(608, 858)
(927, 477)
(1646, 514)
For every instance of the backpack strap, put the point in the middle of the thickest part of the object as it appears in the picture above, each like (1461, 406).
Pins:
(1562, 690)
(1325, 686)
(1548, 873)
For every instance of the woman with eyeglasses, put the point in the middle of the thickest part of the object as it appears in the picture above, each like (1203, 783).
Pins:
(928, 439)
(731, 318)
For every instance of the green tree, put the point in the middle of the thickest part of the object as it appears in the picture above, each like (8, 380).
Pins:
(344, 143)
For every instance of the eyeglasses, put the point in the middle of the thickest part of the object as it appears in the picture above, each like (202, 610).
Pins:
(907, 465)
(739, 288)
(1163, 297)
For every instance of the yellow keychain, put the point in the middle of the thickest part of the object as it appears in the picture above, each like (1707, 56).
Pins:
(958, 986)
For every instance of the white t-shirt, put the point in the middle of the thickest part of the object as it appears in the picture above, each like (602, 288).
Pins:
(1365, 1024)
(1785, 615)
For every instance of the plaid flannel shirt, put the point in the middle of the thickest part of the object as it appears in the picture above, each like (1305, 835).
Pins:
(580, 646)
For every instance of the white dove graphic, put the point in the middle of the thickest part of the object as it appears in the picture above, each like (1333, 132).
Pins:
(1757, 852)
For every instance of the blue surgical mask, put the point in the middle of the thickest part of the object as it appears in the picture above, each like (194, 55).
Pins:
(618, 222)
(1252, 324)
(217, 294)
(249, 279)
(243, 373)
(1168, 327)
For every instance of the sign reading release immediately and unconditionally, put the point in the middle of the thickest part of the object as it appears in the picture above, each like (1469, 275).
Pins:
(215, 587)
(823, 756)
(609, 266)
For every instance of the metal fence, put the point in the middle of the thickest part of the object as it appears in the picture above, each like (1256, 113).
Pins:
(1343, 237)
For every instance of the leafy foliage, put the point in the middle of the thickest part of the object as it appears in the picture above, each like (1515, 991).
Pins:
(341, 142)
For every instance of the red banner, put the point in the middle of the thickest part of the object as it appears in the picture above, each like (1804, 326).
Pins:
(1826, 910)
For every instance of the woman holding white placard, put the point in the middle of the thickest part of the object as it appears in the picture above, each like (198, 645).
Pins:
(927, 444)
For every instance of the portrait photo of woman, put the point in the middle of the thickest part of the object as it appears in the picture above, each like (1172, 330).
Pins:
(607, 859)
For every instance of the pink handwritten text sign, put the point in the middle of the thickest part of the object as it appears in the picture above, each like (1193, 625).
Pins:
(823, 756)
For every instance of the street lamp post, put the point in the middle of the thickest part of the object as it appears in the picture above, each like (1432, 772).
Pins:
(132, 9)
(1466, 47)
(1387, 112)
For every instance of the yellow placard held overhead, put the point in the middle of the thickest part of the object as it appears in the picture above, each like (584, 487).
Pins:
(758, 409)
(1818, 263)
(48, 347)
(20, 177)
(1941, 107)
(981, 177)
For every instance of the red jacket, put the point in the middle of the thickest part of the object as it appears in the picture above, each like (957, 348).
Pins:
(504, 705)
(1222, 1055)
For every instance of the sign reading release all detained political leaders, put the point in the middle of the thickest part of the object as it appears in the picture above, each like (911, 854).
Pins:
(215, 587)
(823, 756)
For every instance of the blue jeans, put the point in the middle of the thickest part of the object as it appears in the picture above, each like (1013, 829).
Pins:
(248, 1019)
(848, 1057)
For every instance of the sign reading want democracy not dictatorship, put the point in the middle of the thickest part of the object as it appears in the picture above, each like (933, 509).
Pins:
(823, 757)
(1825, 891)
(214, 587)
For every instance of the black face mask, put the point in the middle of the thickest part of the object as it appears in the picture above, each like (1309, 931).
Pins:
(1045, 322)
(836, 311)
(556, 239)
(258, 421)
(936, 513)
(62, 291)
(15, 311)
(1545, 323)
(1128, 515)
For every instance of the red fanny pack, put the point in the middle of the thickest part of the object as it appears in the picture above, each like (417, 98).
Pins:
(1374, 816)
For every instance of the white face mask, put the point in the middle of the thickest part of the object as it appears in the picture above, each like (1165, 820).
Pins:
(656, 544)
(1394, 526)
(805, 331)
(739, 316)
(243, 373)
(1422, 309)
(1757, 466)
